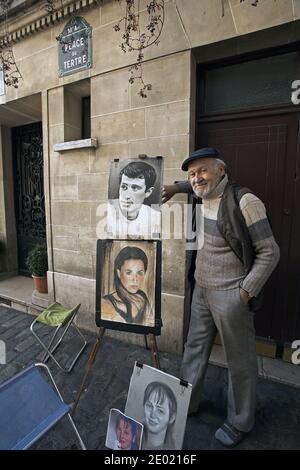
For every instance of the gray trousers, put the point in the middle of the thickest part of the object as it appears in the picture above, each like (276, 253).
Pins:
(223, 311)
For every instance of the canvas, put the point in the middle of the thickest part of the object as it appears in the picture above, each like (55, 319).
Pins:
(128, 285)
(160, 401)
(134, 198)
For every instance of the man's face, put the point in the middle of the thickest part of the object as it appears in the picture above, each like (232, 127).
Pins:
(204, 175)
(132, 194)
(124, 435)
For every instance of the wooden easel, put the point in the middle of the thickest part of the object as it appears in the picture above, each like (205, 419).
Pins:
(150, 339)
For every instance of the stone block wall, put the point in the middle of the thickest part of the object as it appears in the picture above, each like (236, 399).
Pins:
(188, 24)
(125, 126)
(8, 240)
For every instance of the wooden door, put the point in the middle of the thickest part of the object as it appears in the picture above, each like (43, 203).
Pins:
(261, 153)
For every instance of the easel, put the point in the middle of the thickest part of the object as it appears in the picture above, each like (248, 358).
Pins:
(148, 338)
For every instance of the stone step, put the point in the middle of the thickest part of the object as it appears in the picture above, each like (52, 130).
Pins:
(17, 292)
(268, 368)
(20, 305)
(40, 300)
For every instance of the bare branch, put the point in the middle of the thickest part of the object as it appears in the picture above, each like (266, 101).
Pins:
(134, 39)
(11, 72)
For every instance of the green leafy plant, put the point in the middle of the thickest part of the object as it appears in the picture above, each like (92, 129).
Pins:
(37, 261)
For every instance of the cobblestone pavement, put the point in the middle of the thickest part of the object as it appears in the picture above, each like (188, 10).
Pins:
(278, 406)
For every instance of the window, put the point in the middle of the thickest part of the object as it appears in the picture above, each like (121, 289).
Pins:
(77, 111)
(86, 117)
(259, 82)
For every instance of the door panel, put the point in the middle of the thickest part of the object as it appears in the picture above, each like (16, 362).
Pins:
(29, 190)
(261, 154)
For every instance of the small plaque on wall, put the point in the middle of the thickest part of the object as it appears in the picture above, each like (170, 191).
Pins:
(75, 46)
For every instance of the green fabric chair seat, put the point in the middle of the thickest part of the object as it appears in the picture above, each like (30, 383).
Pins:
(56, 314)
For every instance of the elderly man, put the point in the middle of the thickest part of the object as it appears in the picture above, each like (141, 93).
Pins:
(237, 255)
(128, 215)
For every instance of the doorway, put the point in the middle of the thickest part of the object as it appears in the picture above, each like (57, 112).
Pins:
(244, 109)
(27, 146)
(261, 153)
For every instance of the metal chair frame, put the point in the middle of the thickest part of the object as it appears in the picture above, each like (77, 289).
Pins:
(14, 413)
(52, 346)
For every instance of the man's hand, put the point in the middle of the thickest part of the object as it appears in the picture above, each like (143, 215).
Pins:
(245, 297)
(168, 191)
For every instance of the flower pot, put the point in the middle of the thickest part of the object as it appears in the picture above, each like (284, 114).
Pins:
(40, 283)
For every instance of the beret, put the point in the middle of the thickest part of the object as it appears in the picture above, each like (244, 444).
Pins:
(201, 153)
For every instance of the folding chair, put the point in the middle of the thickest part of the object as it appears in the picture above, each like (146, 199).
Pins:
(29, 407)
(59, 317)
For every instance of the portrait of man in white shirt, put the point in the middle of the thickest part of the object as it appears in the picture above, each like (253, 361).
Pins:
(128, 215)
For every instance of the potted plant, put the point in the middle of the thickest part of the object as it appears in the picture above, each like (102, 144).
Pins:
(37, 263)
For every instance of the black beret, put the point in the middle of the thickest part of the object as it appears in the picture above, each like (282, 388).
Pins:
(201, 153)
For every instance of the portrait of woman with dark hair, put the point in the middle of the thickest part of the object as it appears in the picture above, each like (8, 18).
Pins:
(160, 411)
(128, 303)
(126, 433)
(123, 432)
(160, 402)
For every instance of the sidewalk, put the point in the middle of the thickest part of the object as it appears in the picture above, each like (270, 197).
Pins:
(278, 408)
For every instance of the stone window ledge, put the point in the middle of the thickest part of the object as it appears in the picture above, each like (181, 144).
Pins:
(75, 144)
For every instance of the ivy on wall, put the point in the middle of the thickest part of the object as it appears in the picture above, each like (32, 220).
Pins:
(134, 37)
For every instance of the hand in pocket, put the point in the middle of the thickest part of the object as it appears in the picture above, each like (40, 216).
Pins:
(244, 296)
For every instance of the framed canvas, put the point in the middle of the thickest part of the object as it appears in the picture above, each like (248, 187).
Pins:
(123, 432)
(134, 198)
(128, 285)
(160, 402)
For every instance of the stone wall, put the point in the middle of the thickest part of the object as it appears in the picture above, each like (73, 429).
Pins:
(188, 24)
(8, 240)
(125, 126)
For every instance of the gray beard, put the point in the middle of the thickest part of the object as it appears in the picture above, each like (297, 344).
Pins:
(203, 194)
(217, 188)
(207, 191)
